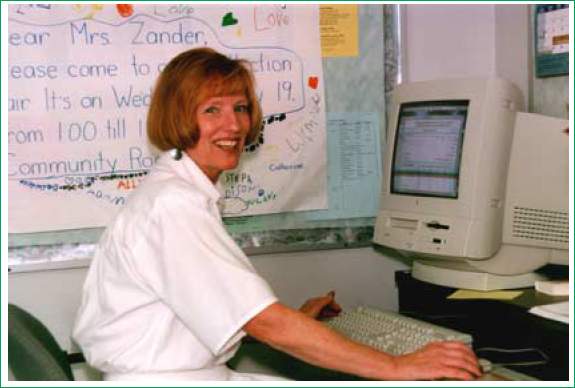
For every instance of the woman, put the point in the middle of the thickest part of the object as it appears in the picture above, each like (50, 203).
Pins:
(169, 294)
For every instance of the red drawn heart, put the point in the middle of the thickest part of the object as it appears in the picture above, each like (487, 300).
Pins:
(125, 10)
(313, 82)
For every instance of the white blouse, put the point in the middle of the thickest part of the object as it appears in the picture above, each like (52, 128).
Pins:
(168, 289)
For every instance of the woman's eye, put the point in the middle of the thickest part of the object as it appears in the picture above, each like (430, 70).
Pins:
(242, 108)
(211, 109)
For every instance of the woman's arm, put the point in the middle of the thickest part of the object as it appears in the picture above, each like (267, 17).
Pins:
(321, 307)
(293, 332)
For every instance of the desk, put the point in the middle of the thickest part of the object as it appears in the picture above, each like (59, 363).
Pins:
(497, 324)
(255, 357)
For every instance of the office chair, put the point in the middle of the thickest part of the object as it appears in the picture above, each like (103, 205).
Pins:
(33, 353)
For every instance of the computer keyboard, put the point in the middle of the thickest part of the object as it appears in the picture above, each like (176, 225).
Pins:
(391, 332)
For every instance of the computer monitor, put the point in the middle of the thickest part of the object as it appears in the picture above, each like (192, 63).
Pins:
(456, 180)
(427, 155)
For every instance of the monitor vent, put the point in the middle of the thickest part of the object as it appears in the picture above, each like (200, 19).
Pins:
(539, 224)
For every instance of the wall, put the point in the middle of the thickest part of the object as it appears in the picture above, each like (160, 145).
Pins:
(513, 46)
(448, 41)
(552, 97)
(472, 40)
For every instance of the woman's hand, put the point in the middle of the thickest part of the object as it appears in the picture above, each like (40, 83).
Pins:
(438, 360)
(321, 306)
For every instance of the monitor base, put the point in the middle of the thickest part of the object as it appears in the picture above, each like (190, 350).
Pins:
(458, 274)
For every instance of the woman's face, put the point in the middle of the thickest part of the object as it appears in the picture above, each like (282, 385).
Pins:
(224, 123)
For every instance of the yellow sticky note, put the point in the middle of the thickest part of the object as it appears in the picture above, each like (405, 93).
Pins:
(495, 295)
(339, 26)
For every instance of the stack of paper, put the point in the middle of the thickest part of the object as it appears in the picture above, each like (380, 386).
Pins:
(557, 311)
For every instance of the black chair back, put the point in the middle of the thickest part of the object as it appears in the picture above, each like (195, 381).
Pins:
(33, 353)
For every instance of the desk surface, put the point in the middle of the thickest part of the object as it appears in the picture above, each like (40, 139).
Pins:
(493, 324)
(255, 357)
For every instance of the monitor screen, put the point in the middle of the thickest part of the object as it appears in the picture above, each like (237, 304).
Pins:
(427, 152)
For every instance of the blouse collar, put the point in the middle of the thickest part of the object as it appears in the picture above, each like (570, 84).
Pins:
(190, 172)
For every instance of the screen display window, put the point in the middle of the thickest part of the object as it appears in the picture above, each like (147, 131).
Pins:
(427, 153)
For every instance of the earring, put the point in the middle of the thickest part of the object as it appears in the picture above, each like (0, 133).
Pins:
(177, 154)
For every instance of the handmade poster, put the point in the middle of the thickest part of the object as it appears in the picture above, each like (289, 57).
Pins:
(80, 79)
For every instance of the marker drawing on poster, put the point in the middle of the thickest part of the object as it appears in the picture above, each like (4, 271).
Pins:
(80, 82)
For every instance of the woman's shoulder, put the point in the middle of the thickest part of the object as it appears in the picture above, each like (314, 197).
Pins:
(169, 181)
(170, 191)
(153, 204)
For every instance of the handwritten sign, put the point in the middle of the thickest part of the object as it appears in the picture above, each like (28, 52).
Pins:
(80, 79)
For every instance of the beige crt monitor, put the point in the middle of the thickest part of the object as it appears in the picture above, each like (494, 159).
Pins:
(536, 215)
(445, 183)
